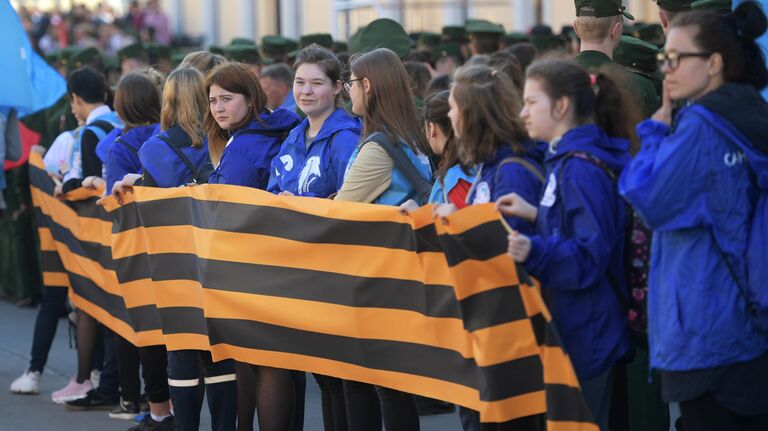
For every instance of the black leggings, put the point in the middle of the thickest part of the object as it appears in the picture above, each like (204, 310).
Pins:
(368, 405)
(332, 396)
(153, 361)
(706, 414)
(270, 391)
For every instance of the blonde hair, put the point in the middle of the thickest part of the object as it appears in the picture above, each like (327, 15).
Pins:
(184, 103)
(203, 61)
(592, 29)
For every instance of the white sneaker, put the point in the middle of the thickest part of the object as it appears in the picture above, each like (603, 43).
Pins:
(95, 378)
(73, 391)
(28, 383)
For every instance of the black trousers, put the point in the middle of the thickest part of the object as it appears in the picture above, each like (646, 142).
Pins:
(368, 405)
(706, 414)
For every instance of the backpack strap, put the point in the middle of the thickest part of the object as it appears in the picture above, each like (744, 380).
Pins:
(127, 145)
(102, 126)
(282, 134)
(181, 155)
(422, 187)
(522, 162)
(591, 158)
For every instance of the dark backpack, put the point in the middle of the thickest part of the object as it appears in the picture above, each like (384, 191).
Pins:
(422, 187)
(637, 251)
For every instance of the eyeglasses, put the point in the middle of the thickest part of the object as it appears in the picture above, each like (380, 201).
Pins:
(348, 84)
(672, 59)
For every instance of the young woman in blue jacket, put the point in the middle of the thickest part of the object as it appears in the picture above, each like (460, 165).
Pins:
(312, 162)
(380, 94)
(243, 138)
(580, 222)
(699, 181)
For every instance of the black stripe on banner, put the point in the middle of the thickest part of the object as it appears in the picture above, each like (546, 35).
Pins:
(509, 379)
(132, 268)
(91, 250)
(295, 283)
(492, 308)
(40, 179)
(277, 222)
(50, 262)
(482, 242)
(565, 403)
(142, 318)
(124, 218)
(545, 332)
(87, 208)
(183, 320)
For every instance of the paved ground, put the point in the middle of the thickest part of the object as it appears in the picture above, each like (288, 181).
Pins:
(38, 412)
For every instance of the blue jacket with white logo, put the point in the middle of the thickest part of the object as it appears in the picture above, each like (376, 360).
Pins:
(694, 187)
(247, 157)
(163, 165)
(123, 155)
(508, 172)
(579, 247)
(317, 171)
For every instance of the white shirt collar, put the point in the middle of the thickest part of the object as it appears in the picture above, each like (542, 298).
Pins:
(98, 112)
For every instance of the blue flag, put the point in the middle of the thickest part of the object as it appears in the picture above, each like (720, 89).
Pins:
(28, 83)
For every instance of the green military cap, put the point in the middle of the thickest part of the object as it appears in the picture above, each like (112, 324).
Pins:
(242, 41)
(447, 49)
(483, 26)
(65, 55)
(716, 5)
(454, 33)
(248, 54)
(52, 58)
(291, 45)
(515, 38)
(381, 33)
(546, 42)
(430, 39)
(323, 39)
(156, 51)
(601, 8)
(110, 62)
(84, 57)
(134, 50)
(274, 45)
(215, 49)
(636, 54)
(651, 33)
(177, 58)
(674, 5)
(339, 47)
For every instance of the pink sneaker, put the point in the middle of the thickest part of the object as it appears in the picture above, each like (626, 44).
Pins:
(73, 391)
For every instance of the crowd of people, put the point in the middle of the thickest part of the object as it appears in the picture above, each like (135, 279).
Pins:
(631, 174)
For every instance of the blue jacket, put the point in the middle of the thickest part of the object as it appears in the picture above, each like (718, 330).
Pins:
(163, 165)
(453, 175)
(123, 155)
(692, 186)
(317, 171)
(106, 143)
(246, 159)
(500, 176)
(580, 232)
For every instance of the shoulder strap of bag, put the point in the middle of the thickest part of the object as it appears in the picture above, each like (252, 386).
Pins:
(403, 164)
(127, 145)
(522, 162)
(180, 154)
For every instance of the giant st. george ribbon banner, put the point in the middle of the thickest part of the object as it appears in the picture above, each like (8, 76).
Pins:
(355, 291)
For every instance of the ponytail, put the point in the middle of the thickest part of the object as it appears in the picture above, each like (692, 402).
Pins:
(596, 98)
(734, 37)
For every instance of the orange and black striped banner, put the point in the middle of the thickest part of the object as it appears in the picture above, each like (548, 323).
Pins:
(354, 291)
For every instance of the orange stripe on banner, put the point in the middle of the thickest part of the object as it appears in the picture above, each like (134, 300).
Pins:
(129, 243)
(361, 261)
(187, 342)
(138, 293)
(466, 219)
(505, 342)
(410, 383)
(369, 323)
(514, 407)
(533, 301)
(178, 293)
(83, 228)
(476, 276)
(571, 426)
(144, 338)
(46, 239)
(55, 279)
(90, 269)
(555, 371)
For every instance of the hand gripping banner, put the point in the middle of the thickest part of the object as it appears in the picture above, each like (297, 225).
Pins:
(354, 291)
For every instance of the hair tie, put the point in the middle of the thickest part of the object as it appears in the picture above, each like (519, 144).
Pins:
(494, 72)
(593, 82)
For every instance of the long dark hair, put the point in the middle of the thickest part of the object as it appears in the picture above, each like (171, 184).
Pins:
(137, 101)
(733, 36)
(389, 106)
(436, 109)
(489, 109)
(603, 102)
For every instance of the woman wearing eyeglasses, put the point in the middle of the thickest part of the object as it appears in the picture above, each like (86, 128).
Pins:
(700, 183)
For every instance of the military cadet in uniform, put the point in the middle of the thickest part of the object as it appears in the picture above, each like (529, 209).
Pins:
(668, 9)
(132, 57)
(484, 36)
(247, 54)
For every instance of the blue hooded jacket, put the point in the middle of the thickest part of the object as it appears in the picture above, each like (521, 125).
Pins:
(317, 171)
(247, 157)
(163, 165)
(499, 176)
(694, 187)
(453, 175)
(123, 155)
(580, 232)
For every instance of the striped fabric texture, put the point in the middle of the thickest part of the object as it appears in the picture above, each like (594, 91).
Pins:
(355, 291)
